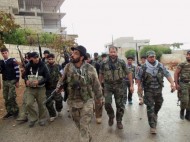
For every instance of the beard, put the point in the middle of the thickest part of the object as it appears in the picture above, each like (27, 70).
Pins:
(75, 60)
(188, 59)
(113, 57)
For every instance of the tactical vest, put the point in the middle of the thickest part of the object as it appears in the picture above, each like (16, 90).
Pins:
(33, 77)
(79, 82)
(114, 72)
(185, 71)
(150, 81)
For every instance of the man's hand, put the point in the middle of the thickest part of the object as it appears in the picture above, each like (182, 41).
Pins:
(17, 84)
(27, 83)
(132, 89)
(35, 82)
(173, 88)
(177, 87)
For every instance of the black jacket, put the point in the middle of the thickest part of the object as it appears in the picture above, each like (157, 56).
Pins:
(42, 71)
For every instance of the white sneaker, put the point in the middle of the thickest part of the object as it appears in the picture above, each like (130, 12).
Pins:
(52, 119)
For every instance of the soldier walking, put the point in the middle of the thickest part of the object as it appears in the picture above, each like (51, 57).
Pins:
(83, 84)
(112, 72)
(98, 106)
(151, 75)
(55, 74)
(11, 75)
(36, 75)
(182, 82)
(132, 68)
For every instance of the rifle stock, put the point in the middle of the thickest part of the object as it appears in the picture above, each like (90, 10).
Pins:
(21, 57)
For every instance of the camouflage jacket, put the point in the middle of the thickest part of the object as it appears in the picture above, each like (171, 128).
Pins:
(114, 72)
(185, 71)
(55, 74)
(82, 84)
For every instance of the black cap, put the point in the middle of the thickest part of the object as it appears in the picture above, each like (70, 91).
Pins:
(34, 55)
(188, 52)
(46, 52)
(95, 54)
(104, 55)
(130, 57)
(81, 49)
(143, 56)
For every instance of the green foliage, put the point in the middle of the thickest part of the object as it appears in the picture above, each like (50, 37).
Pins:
(159, 50)
(130, 53)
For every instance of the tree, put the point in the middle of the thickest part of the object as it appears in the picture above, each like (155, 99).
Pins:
(176, 45)
(130, 53)
(7, 26)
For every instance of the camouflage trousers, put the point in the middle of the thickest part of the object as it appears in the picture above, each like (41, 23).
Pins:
(118, 91)
(23, 112)
(58, 103)
(153, 99)
(127, 87)
(98, 109)
(9, 95)
(82, 118)
(184, 95)
(37, 94)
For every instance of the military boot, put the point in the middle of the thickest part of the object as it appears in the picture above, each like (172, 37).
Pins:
(182, 114)
(111, 121)
(187, 116)
(119, 125)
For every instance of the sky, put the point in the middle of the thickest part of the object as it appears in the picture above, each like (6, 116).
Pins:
(96, 21)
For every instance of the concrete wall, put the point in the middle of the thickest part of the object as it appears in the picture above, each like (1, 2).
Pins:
(32, 22)
(10, 6)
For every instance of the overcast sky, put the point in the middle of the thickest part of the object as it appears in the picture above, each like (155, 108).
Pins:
(95, 21)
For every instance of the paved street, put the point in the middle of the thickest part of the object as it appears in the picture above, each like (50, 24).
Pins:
(136, 129)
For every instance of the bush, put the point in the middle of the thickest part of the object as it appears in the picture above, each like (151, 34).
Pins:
(130, 53)
(159, 50)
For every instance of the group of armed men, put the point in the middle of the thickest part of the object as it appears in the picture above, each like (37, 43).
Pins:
(90, 84)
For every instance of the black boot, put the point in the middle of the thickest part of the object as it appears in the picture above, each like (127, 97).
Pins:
(182, 114)
(187, 116)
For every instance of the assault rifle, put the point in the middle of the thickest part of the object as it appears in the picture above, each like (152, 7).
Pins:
(64, 86)
(40, 49)
(21, 57)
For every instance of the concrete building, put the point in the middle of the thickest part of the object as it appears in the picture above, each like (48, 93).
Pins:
(126, 43)
(40, 15)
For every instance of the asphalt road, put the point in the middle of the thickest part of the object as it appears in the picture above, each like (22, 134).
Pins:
(170, 127)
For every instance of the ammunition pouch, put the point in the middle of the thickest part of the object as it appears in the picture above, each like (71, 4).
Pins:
(32, 78)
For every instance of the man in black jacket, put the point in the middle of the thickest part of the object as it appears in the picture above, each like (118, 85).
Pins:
(10, 74)
(36, 76)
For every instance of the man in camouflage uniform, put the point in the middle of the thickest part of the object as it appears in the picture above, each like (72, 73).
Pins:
(182, 82)
(151, 75)
(140, 92)
(10, 76)
(36, 75)
(132, 68)
(112, 72)
(55, 74)
(83, 88)
(98, 107)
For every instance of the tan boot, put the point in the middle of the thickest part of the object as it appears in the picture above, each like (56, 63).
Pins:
(99, 120)
(153, 130)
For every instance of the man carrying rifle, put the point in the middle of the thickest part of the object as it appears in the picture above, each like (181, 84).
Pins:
(23, 114)
(182, 82)
(10, 74)
(55, 74)
(36, 75)
(83, 87)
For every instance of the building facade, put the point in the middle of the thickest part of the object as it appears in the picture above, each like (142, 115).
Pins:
(39, 15)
